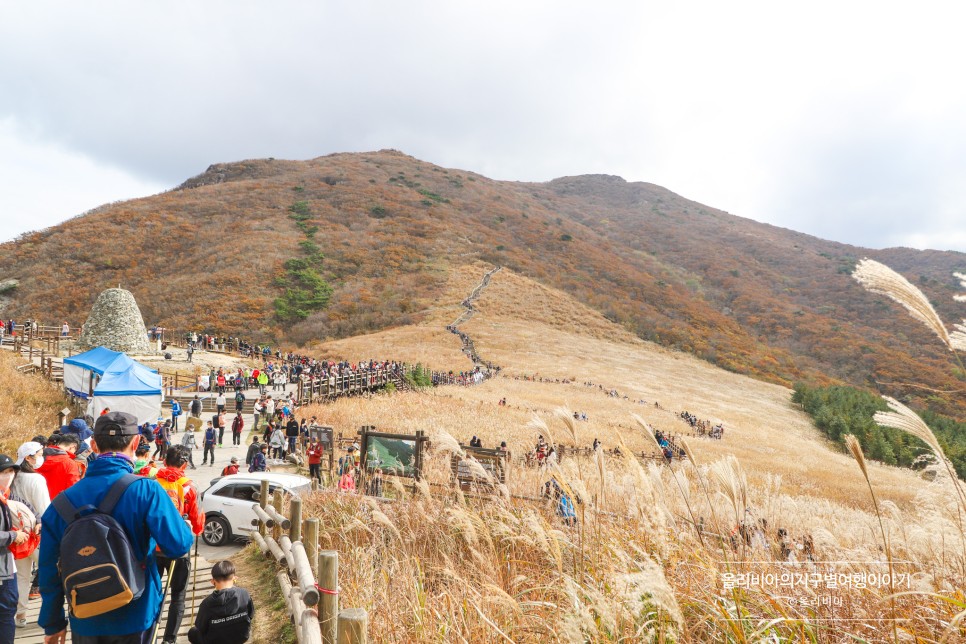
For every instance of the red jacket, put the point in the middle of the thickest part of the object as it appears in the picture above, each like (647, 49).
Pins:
(195, 516)
(315, 454)
(59, 469)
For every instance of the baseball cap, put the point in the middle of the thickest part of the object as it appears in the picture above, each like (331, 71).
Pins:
(6, 463)
(28, 449)
(116, 423)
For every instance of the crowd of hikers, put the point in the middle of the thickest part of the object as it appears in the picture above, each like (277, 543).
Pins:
(703, 427)
(87, 520)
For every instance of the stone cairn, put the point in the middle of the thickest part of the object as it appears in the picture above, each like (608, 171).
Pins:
(115, 322)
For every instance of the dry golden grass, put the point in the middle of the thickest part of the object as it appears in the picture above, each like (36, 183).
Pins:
(434, 348)
(440, 566)
(449, 568)
(435, 565)
(28, 405)
(763, 429)
(428, 343)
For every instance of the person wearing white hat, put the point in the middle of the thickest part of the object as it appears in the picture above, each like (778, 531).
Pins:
(10, 534)
(31, 488)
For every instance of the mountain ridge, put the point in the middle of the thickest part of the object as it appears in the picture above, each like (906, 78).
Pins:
(753, 298)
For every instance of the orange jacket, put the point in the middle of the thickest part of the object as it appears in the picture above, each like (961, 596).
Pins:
(191, 509)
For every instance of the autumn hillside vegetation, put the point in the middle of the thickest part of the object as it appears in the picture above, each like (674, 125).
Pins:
(337, 246)
(28, 405)
(658, 553)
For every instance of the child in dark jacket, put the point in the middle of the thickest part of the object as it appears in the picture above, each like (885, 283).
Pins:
(225, 616)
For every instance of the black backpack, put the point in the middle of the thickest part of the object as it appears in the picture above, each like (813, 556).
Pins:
(98, 568)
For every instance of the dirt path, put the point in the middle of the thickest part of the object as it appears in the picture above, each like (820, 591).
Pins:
(469, 310)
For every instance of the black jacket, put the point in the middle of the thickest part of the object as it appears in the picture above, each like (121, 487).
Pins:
(252, 449)
(225, 617)
(292, 428)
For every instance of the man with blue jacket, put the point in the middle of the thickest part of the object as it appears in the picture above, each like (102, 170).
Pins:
(175, 413)
(145, 513)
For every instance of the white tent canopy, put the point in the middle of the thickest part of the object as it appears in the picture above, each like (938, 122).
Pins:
(82, 372)
(114, 381)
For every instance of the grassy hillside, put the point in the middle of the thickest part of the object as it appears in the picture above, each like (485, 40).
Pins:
(563, 340)
(251, 247)
(28, 405)
(437, 566)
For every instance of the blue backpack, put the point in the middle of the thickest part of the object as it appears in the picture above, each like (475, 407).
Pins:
(98, 568)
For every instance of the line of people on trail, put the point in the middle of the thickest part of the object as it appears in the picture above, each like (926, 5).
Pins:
(102, 537)
(545, 455)
(245, 378)
(703, 427)
(463, 378)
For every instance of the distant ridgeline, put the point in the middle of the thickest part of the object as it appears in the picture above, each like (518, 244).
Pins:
(350, 244)
(841, 410)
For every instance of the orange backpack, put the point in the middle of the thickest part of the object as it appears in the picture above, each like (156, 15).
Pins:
(175, 490)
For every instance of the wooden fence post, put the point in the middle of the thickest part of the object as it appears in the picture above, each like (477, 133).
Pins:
(353, 626)
(295, 516)
(420, 439)
(263, 502)
(329, 601)
(311, 540)
(277, 505)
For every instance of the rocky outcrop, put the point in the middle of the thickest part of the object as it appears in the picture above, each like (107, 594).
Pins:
(115, 322)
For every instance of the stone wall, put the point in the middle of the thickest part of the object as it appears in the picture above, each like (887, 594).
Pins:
(115, 322)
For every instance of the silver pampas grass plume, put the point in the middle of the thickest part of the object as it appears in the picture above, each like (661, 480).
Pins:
(444, 442)
(879, 278)
(906, 420)
(567, 418)
(853, 444)
(962, 282)
(958, 337)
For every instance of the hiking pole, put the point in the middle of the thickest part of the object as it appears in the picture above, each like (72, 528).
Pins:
(157, 620)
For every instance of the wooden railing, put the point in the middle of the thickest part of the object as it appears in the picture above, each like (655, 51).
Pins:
(308, 577)
(310, 389)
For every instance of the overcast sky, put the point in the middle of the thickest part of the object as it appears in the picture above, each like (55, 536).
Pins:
(844, 120)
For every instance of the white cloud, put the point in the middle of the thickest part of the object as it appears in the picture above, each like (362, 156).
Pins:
(43, 184)
(829, 118)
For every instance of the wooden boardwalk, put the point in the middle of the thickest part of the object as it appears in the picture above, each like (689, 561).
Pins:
(33, 634)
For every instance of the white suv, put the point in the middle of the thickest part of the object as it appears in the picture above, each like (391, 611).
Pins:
(227, 503)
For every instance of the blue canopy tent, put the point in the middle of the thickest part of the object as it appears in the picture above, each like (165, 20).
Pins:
(81, 371)
(115, 381)
(136, 390)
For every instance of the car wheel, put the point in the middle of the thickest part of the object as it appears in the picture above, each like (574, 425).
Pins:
(217, 531)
